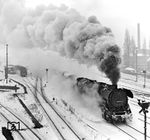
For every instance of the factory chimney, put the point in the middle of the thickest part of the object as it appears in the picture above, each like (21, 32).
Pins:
(138, 36)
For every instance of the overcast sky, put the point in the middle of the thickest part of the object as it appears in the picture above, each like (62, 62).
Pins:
(116, 14)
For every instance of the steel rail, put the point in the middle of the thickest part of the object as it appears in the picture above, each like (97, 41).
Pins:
(7, 120)
(6, 108)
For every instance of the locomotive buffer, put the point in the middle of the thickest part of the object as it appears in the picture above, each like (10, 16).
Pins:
(144, 105)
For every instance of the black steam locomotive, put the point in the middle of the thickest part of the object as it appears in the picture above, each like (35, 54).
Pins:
(114, 105)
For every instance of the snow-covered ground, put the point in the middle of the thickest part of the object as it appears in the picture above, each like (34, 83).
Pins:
(86, 108)
(80, 111)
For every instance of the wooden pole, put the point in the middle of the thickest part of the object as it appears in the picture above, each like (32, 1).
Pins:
(138, 47)
(6, 67)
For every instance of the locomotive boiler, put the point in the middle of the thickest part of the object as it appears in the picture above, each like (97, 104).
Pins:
(114, 105)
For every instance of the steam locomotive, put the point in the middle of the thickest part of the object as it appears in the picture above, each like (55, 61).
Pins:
(114, 105)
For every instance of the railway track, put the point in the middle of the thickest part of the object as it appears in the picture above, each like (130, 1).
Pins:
(60, 116)
(139, 110)
(131, 131)
(8, 110)
(141, 114)
(46, 107)
(17, 131)
(143, 120)
(125, 132)
(43, 109)
(137, 130)
(138, 92)
(136, 105)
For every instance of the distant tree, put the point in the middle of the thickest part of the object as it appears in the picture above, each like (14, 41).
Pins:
(132, 56)
(144, 47)
(132, 52)
(149, 47)
(126, 45)
(133, 47)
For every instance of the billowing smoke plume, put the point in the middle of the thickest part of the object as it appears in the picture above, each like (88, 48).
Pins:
(63, 30)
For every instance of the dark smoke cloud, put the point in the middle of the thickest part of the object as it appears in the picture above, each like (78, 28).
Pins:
(63, 30)
(110, 64)
(94, 44)
(93, 19)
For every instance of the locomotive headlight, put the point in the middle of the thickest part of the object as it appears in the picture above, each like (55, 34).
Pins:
(119, 101)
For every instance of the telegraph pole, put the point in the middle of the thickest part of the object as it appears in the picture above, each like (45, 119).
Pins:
(6, 67)
(138, 44)
(136, 52)
(144, 72)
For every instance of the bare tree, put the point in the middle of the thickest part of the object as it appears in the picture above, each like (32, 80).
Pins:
(144, 47)
(132, 52)
(126, 45)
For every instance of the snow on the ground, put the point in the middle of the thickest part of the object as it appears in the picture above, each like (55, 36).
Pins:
(8, 100)
(80, 111)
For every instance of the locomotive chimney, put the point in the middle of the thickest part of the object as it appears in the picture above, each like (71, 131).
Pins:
(115, 86)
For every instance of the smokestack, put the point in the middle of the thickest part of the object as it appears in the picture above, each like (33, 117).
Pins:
(114, 86)
(6, 67)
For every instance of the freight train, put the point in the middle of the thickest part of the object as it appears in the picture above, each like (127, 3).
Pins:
(114, 105)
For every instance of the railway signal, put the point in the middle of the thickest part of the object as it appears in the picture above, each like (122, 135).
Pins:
(46, 75)
(144, 105)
